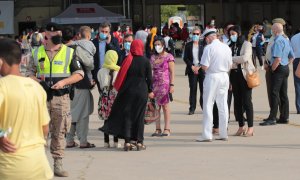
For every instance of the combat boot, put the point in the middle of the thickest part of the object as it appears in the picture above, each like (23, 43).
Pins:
(58, 169)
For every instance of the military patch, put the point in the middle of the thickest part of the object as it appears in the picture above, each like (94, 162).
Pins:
(58, 62)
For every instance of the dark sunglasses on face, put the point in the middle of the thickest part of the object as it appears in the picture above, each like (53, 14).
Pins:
(196, 33)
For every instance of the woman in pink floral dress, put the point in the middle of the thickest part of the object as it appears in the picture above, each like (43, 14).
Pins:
(163, 83)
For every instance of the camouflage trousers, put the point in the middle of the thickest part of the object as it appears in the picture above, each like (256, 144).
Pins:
(59, 110)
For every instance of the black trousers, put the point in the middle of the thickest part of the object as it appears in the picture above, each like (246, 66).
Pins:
(257, 52)
(279, 85)
(106, 138)
(242, 97)
(194, 81)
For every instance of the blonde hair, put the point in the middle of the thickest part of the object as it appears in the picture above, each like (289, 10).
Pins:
(83, 30)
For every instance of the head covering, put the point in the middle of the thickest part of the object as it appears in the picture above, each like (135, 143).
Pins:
(153, 34)
(110, 60)
(136, 49)
(208, 32)
(279, 20)
(53, 27)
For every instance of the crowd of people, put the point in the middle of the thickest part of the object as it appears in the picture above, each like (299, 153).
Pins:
(64, 64)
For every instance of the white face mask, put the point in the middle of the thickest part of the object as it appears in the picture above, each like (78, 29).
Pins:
(159, 48)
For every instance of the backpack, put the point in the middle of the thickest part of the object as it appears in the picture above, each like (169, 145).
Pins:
(35, 39)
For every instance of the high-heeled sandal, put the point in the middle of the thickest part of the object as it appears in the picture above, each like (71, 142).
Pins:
(128, 146)
(166, 134)
(249, 134)
(240, 132)
(140, 147)
(157, 133)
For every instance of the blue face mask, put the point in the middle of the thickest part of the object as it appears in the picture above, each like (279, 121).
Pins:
(102, 36)
(195, 38)
(127, 46)
(233, 38)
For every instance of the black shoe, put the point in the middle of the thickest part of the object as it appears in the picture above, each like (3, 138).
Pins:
(191, 113)
(282, 121)
(268, 123)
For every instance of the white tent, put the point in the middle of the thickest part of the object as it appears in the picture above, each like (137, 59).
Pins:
(90, 13)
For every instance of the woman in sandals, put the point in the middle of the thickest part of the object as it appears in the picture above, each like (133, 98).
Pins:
(134, 86)
(242, 62)
(163, 83)
(106, 77)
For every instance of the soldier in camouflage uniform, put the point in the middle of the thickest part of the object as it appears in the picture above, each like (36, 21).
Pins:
(54, 67)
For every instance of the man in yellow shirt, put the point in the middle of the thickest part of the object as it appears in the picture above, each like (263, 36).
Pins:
(23, 108)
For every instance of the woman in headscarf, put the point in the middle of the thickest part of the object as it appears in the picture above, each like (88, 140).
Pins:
(149, 43)
(242, 63)
(133, 84)
(106, 77)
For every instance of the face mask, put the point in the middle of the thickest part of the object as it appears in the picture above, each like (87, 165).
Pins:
(103, 36)
(127, 46)
(127, 29)
(159, 49)
(195, 38)
(56, 39)
(233, 38)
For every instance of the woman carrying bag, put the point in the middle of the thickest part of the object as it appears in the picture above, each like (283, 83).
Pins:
(242, 64)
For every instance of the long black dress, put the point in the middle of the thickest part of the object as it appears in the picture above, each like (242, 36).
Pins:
(126, 120)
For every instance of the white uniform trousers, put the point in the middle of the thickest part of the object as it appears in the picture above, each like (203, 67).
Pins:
(215, 88)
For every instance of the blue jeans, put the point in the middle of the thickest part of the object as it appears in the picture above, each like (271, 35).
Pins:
(297, 84)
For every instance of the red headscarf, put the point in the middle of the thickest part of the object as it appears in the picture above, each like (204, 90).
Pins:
(136, 49)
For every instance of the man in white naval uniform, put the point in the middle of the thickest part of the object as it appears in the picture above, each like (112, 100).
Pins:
(216, 61)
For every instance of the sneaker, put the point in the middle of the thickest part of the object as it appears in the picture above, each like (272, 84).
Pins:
(106, 145)
(117, 145)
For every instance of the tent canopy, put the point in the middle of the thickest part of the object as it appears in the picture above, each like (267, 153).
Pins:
(90, 13)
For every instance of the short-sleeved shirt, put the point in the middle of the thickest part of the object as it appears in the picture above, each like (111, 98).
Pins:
(217, 56)
(23, 108)
(281, 49)
(295, 41)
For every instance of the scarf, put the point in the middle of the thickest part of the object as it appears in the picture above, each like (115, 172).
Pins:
(110, 60)
(136, 49)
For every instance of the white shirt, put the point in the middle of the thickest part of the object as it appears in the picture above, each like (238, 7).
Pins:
(295, 41)
(196, 61)
(254, 40)
(167, 38)
(217, 57)
(104, 77)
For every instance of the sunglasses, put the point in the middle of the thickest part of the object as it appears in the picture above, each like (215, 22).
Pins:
(196, 33)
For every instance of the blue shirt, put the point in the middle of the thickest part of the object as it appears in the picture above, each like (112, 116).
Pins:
(295, 41)
(102, 46)
(281, 49)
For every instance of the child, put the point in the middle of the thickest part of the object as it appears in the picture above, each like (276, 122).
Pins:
(88, 46)
(106, 77)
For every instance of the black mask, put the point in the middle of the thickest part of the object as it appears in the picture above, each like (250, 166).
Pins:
(56, 39)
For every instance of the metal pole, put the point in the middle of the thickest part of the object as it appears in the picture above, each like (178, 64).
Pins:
(128, 3)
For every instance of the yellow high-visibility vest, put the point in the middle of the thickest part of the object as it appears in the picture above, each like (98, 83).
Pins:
(60, 65)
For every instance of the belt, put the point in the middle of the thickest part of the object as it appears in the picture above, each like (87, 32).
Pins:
(60, 92)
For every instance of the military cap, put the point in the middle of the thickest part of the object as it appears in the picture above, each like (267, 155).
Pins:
(279, 20)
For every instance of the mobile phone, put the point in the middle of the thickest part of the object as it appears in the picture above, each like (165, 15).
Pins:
(171, 97)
